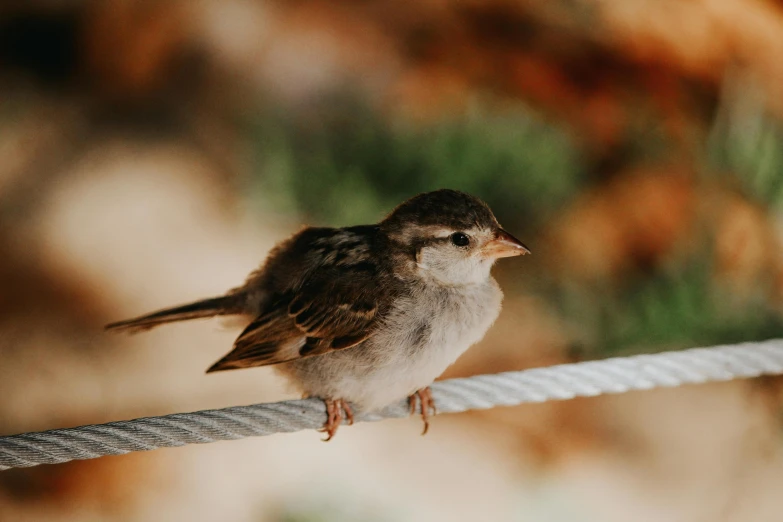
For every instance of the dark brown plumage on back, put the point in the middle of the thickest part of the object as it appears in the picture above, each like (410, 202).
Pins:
(326, 289)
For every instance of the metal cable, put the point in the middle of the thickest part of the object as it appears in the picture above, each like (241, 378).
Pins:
(566, 381)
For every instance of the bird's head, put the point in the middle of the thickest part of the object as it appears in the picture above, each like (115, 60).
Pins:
(450, 237)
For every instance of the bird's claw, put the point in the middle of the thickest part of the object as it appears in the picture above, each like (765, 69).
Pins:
(336, 411)
(426, 404)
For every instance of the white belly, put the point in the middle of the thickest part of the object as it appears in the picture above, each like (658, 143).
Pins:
(418, 340)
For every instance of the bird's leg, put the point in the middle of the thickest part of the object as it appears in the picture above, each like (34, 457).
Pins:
(348, 412)
(427, 404)
(334, 417)
(336, 411)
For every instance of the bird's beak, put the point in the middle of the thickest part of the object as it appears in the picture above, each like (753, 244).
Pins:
(504, 245)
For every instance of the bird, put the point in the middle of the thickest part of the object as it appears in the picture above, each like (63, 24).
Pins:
(363, 316)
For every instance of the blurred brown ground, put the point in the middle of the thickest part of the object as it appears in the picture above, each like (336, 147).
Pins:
(123, 187)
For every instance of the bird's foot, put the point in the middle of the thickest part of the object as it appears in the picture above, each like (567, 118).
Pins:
(336, 411)
(426, 404)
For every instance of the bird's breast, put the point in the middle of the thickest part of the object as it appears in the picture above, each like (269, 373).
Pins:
(443, 319)
(426, 331)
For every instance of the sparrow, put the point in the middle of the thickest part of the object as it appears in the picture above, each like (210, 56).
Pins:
(364, 316)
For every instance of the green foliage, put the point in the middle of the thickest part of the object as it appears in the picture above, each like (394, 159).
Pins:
(745, 150)
(682, 306)
(349, 170)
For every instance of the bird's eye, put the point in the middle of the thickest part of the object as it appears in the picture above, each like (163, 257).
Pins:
(459, 239)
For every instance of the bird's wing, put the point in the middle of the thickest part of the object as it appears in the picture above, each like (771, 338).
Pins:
(336, 306)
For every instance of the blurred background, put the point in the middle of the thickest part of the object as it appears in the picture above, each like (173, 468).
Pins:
(152, 152)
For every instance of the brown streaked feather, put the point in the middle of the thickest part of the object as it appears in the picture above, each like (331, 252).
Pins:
(260, 354)
(225, 305)
(327, 306)
(269, 339)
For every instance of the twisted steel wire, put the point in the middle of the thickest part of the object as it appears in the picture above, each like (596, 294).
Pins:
(561, 382)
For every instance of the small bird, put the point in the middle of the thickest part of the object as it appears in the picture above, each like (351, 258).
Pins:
(366, 315)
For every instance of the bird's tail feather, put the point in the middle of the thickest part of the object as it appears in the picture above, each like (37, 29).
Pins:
(224, 305)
